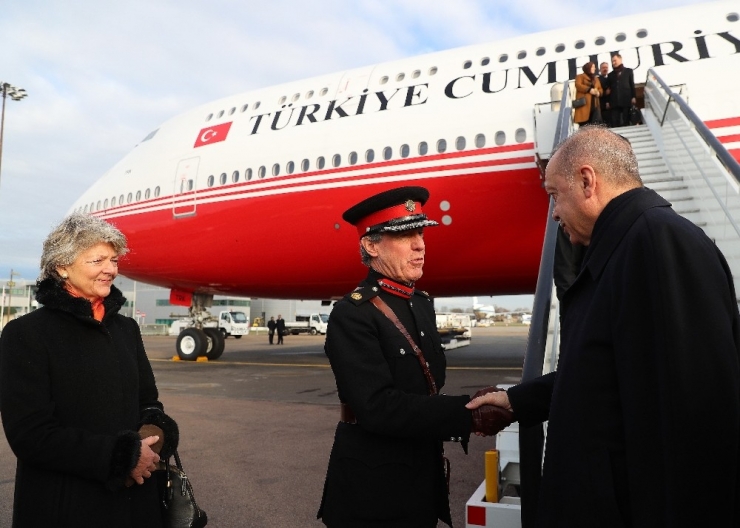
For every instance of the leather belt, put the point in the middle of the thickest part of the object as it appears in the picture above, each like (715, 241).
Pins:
(346, 414)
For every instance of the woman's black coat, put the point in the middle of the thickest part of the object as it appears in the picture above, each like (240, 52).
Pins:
(73, 394)
(386, 470)
(644, 408)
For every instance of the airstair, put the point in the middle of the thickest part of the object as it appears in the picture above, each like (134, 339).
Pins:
(680, 159)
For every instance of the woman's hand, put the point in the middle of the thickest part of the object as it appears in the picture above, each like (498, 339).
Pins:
(147, 460)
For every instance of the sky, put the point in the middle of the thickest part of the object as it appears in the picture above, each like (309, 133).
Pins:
(101, 75)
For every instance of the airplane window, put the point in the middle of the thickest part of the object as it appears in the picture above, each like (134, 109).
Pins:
(309, 95)
(433, 70)
(400, 77)
(85, 210)
(324, 91)
(600, 41)
(289, 167)
(467, 64)
(370, 155)
(233, 109)
(405, 151)
(113, 202)
(282, 100)
(244, 108)
(520, 135)
(642, 33)
(256, 105)
(320, 162)
(261, 172)
(460, 143)
(304, 165)
(521, 55)
(500, 137)
(147, 194)
(580, 44)
(156, 191)
(209, 117)
(222, 179)
(190, 185)
(480, 141)
(248, 174)
(221, 113)
(441, 146)
(384, 79)
(733, 17)
(484, 61)
(387, 153)
(211, 180)
(503, 58)
(138, 198)
(97, 206)
(560, 48)
(129, 198)
(336, 160)
(235, 176)
(423, 148)
(296, 97)
(540, 52)
(621, 37)
(120, 200)
(105, 203)
(416, 74)
(352, 158)
(276, 169)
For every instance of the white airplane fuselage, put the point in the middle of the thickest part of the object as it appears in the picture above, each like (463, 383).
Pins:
(233, 197)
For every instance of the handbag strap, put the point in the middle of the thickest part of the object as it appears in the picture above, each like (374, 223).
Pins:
(381, 305)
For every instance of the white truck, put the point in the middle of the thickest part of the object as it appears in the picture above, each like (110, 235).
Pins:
(313, 324)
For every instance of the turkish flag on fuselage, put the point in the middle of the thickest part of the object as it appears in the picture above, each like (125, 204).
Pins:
(212, 134)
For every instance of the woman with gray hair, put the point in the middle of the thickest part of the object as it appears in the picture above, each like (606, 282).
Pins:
(78, 400)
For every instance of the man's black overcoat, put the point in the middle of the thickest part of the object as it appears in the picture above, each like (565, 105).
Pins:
(622, 84)
(386, 470)
(73, 394)
(645, 404)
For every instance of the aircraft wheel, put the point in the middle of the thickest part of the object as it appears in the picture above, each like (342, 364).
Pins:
(216, 341)
(191, 343)
(314, 331)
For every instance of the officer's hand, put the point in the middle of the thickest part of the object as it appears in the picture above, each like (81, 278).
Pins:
(489, 420)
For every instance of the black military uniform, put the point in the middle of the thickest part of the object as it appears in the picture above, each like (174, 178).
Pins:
(386, 466)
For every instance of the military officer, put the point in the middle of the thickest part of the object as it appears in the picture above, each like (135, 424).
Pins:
(387, 466)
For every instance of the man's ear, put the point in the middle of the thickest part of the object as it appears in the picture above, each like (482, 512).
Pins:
(587, 180)
(369, 246)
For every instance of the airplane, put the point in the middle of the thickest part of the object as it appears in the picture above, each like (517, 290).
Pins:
(244, 195)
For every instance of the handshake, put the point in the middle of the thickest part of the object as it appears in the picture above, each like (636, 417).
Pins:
(491, 411)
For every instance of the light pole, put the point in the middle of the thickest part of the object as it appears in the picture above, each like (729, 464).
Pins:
(10, 285)
(16, 94)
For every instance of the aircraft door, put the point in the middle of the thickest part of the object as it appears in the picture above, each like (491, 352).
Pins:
(186, 177)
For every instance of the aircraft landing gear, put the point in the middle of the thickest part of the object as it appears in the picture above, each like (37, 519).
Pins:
(191, 343)
(215, 343)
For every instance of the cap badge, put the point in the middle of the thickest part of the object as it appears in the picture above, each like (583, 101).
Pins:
(356, 296)
(410, 206)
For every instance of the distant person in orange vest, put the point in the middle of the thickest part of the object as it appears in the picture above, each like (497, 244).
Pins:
(271, 324)
(280, 329)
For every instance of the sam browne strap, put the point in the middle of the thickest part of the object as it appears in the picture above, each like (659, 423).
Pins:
(381, 305)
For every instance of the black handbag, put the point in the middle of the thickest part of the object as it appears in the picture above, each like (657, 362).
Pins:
(635, 116)
(179, 509)
(581, 101)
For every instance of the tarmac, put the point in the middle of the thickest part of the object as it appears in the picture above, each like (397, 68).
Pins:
(257, 425)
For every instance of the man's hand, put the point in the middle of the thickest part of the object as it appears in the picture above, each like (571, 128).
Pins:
(489, 420)
(490, 396)
(147, 460)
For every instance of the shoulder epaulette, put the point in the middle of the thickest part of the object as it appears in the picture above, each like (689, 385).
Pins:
(422, 293)
(362, 294)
